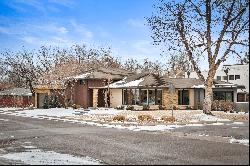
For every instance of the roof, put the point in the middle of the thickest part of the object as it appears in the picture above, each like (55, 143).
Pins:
(185, 82)
(16, 92)
(139, 80)
(103, 73)
(152, 80)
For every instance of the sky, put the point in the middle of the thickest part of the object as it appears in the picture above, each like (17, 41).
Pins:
(119, 24)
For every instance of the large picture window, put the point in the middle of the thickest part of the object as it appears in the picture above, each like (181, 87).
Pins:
(183, 97)
(223, 95)
(142, 96)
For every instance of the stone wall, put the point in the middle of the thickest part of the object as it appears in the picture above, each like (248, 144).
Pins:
(168, 98)
(95, 98)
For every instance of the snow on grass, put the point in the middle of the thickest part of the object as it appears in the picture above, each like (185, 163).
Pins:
(238, 123)
(107, 111)
(208, 118)
(4, 120)
(240, 141)
(216, 124)
(194, 125)
(39, 157)
(10, 108)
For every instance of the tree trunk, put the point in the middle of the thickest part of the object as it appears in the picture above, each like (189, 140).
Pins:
(207, 105)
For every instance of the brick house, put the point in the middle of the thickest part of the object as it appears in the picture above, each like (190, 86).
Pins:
(15, 97)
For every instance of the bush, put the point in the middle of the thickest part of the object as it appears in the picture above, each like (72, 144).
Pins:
(54, 102)
(145, 107)
(119, 118)
(75, 106)
(161, 107)
(225, 106)
(130, 107)
(175, 107)
(46, 102)
(190, 108)
(120, 107)
(145, 118)
(168, 119)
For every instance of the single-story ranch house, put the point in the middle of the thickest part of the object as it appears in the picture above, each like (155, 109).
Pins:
(116, 87)
(153, 90)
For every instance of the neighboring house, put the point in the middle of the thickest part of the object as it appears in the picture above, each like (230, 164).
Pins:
(15, 97)
(236, 74)
(153, 90)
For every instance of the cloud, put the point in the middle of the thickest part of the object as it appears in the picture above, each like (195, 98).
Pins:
(4, 30)
(81, 29)
(30, 39)
(138, 23)
(138, 49)
(40, 5)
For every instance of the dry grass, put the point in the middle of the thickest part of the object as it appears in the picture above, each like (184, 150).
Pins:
(119, 118)
(232, 116)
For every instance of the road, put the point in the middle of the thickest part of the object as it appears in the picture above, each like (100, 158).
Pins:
(114, 146)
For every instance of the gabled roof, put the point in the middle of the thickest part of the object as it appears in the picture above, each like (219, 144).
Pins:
(16, 92)
(139, 80)
(103, 73)
(151, 80)
(184, 82)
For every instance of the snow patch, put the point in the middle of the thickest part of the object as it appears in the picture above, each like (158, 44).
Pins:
(240, 141)
(194, 125)
(238, 123)
(216, 124)
(208, 118)
(39, 157)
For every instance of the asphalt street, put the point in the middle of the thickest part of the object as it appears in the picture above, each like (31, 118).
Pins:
(114, 146)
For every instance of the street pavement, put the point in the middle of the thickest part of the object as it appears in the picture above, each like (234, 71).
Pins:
(192, 145)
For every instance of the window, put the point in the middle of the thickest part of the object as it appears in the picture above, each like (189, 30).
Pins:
(81, 82)
(231, 77)
(183, 97)
(158, 100)
(223, 95)
(144, 97)
(247, 97)
(135, 96)
(219, 78)
(125, 96)
(225, 78)
(237, 77)
(151, 97)
(240, 97)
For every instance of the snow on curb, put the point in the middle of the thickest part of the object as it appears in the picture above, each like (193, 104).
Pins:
(238, 123)
(240, 141)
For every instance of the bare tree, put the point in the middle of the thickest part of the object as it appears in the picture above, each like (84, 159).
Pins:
(215, 29)
(178, 65)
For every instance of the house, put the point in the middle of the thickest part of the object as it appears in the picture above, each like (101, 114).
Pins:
(42, 91)
(76, 89)
(15, 97)
(236, 74)
(154, 90)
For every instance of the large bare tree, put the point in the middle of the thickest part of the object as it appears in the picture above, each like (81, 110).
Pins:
(214, 29)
